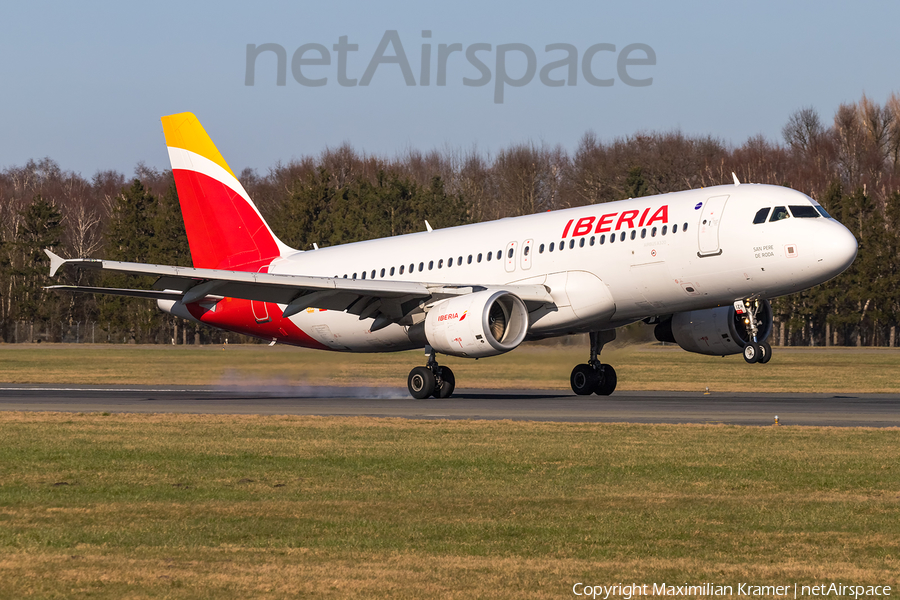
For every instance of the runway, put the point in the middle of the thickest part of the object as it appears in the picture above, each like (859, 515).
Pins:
(839, 410)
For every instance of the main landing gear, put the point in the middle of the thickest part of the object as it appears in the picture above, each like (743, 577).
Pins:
(431, 380)
(595, 377)
(755, 351)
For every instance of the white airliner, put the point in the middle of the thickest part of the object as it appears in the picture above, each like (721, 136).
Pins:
(701, 264)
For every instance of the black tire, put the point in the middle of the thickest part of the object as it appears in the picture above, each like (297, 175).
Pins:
(584, 380)
(420, 383)
(752, 353)
(448, 384)
(765, 352)
(608, 380)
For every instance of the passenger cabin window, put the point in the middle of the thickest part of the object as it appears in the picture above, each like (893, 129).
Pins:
(459, 261)
(633, 233)
(402, 267)
(779, 213)
(363, 274)
(449, 263)
(664, 229)
(592, 240)
(490, 254)
(612, 239)
(421, 267)
(541, 249)
(551, 246)
(470, 259)
(761, 215)
(526, 250)
(675, 228)
(373, 273)
(806, 211)
(622, 237)
(571, 244)
(602, 239)
(382, 272)
(581, 243)
(392, 271)
(510, 253)
(479, 257)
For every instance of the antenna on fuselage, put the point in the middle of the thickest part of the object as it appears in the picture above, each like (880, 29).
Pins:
(428, 226)
(736, 181)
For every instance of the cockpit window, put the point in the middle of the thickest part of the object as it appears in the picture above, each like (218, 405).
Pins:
(779, 213)
(822, 211)
(804, 211)
(761, 215)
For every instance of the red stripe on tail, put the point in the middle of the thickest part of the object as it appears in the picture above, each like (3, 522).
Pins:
(224, 231)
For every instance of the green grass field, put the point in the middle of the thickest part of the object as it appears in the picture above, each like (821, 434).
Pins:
(204, 506)
(187, 506)
(639, 367)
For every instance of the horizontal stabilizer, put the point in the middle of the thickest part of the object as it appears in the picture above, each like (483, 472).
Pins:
(152, 294)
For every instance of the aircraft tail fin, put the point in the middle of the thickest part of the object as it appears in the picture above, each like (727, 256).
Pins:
(225, 229)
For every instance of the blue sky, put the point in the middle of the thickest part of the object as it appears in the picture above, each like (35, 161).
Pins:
(85, 83)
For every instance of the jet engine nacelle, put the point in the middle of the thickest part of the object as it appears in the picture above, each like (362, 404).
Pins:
(714, 331)
(476, 325)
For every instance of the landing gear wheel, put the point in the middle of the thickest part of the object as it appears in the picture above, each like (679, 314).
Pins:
(608, 380)
(421, 383)
(584, 380)
(448, 384)
(752, 352)
(765, 351)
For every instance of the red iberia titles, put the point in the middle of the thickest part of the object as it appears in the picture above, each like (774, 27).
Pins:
(450, 316)
(616, 221)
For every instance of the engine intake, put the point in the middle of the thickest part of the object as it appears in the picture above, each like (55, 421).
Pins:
(476, 325)
(713, 331)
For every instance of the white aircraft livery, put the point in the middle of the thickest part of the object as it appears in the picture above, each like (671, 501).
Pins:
(700, 264)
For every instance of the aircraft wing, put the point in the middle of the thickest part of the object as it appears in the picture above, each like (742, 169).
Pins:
(387, 301)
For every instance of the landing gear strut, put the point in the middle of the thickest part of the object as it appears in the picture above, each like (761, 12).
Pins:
(595, 377)
(431, 380)
(755, 351)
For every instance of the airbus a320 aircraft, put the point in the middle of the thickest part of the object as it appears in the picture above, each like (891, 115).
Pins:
(701, 264)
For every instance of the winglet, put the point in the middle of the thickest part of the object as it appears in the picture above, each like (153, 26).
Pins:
(56, 261)
(736, 181)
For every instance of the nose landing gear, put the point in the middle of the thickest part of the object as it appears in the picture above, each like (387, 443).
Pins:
(431, 380)
(755, 351)
(595, 377)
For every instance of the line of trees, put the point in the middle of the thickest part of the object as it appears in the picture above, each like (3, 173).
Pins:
(850, 164)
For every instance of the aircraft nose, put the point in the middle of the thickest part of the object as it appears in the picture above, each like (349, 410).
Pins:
(837, 249)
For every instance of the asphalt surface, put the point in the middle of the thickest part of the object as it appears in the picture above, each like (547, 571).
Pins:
(838, 410)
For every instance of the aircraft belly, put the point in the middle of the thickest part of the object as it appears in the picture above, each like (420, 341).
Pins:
(581, 300)
(345, 332)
